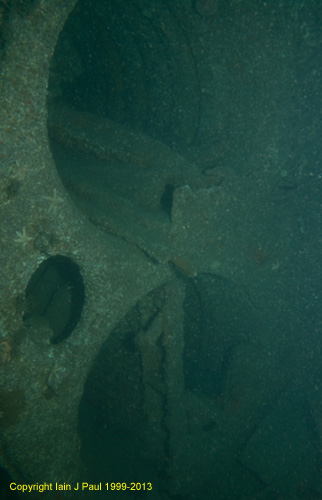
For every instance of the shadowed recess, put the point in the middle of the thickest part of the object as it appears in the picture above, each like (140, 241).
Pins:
(55, 296)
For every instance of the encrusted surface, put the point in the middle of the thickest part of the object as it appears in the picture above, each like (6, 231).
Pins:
(235, 232)
(38, 220)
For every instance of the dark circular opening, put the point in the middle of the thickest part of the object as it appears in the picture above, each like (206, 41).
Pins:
(131, 62)
(126, 414)
(55, 297)
(124, 100)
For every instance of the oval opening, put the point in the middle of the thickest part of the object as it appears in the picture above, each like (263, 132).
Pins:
(55, 297)
(123, 101)
(130, 63)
